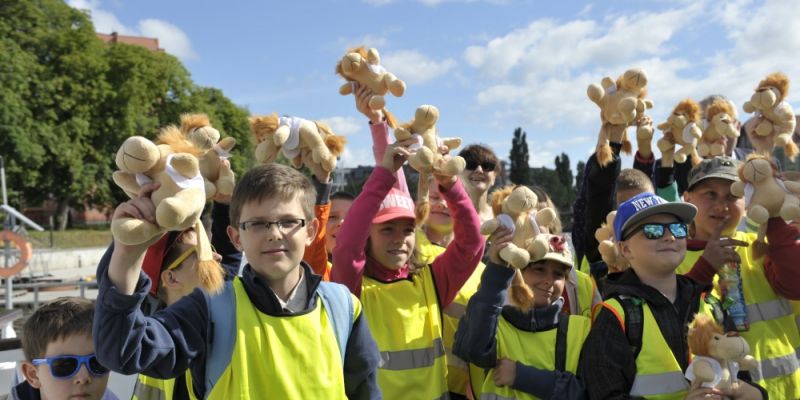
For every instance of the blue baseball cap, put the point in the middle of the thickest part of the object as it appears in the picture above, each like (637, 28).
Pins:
(644, 205)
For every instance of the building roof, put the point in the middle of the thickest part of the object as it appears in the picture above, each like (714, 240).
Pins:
(148, 43)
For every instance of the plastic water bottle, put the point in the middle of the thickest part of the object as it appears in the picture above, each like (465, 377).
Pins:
(733, 296)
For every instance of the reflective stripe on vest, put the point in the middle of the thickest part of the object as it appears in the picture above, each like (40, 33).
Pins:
(148, 388)
(775, 367)
(405, 319)
(517, 345)
(655, 384)
(413, 358)
(768, 310)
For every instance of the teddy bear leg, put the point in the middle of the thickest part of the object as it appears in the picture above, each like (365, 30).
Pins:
(281, 135)
(514, 256)
(782, 139)
(595, 93)
(180, 210)
(758, 214)
(680, 155)
(226, 180)
(454, 166)
(703, 150)
(131, 231)
(402, 134)
(791, 208)
(422, 160)
(210, 188)
(538, 247)
(376, 102)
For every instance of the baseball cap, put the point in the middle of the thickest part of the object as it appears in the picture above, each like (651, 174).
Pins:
(718, 167)
(558, 250)
(644, 205)
(396, 204)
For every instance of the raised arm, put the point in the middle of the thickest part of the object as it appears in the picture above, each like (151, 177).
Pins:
(780, 264)
(453, 267)
(315, 255)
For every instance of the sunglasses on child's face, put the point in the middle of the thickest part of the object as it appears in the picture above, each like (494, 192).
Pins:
(655, 231)
(65, 367)
(487, 166)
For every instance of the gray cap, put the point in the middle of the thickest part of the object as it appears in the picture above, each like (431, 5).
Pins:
(718, 167)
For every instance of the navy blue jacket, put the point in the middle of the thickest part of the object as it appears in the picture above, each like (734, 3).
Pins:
(476, 340)
(174, 339)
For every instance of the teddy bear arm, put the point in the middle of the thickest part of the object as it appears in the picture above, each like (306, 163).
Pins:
(703, 371)
(737, 189)
(488, 227)
(748, 107)
(596, 94)
(346, 88)
(127, 182)
(377, 102)
(402, 134)
(792, 186)
(396, 86)
(747, 363)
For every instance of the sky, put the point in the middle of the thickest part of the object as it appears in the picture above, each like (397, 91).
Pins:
(489, 66)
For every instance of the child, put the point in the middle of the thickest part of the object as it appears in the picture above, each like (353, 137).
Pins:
(305, 338)
(528, 352)
(374, 257)
(637, 345)
(767, 283)
(59, 355)
(340, 204)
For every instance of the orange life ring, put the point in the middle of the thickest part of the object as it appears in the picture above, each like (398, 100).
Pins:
(25, 253)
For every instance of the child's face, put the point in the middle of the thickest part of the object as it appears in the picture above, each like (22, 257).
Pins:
(662, 255)
(339, 209)
(83, 384)
(392, 243)
(547, 279)
(273, 254)
(714, 202)
(439, 218)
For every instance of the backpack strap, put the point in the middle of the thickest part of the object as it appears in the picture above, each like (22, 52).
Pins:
(338, 305)
(222, 335)
(634, 322)
(561, 342)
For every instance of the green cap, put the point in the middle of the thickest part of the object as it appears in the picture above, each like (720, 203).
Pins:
(718, 167)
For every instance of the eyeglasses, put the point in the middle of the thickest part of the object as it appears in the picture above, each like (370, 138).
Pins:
(487, 166)
(284, 226)
(655, 231)
(65, 367)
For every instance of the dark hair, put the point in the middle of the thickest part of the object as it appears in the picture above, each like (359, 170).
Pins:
(545, 201)
(56, 319)
(272, 181)
(340, 195)
(480, 153)
(630, 178)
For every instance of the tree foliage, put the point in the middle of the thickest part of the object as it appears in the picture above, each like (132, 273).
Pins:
(67, 101)
(519, 170)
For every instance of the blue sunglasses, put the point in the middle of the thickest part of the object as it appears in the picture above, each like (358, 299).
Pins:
(65, 367)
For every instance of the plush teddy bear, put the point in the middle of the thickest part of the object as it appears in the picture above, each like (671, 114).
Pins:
(515, 210)
(778, 119)
(766, 194)
(720, 122)
(717, 357)
(426, 158)
(364, 66)
(681, 128)
(218, 175)
(620, 103)
(173, 163)
(292, 134)
(608, 247)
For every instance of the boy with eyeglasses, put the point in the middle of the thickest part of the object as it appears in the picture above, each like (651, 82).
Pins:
(59, 355)
(637, 347)
(277, 331)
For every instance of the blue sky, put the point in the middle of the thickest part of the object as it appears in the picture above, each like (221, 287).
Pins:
(489, 66)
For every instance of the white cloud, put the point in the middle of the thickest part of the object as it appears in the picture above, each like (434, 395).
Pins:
(414, 67)
(433, 3)
(355, 156)
(345, 126)
(586, 9)
(170, 37)
(368, 40)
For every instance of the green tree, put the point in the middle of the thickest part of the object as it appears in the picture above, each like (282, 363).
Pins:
(563, 170)
(519, 169)
(579, 176)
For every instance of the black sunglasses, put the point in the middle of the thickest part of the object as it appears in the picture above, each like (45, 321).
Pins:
(487, 166)
(65, 367)
(655, 230)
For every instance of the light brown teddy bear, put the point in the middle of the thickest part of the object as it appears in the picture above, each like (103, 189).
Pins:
(717, 357)
(720, 123)
(181, 196)
(517, 213)
(608, 247)
(219, 177)
(364, 66)
(681, 128)
(766, 194)
(778, 119)
(620, 103)
(426, 158)
(291, 135)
